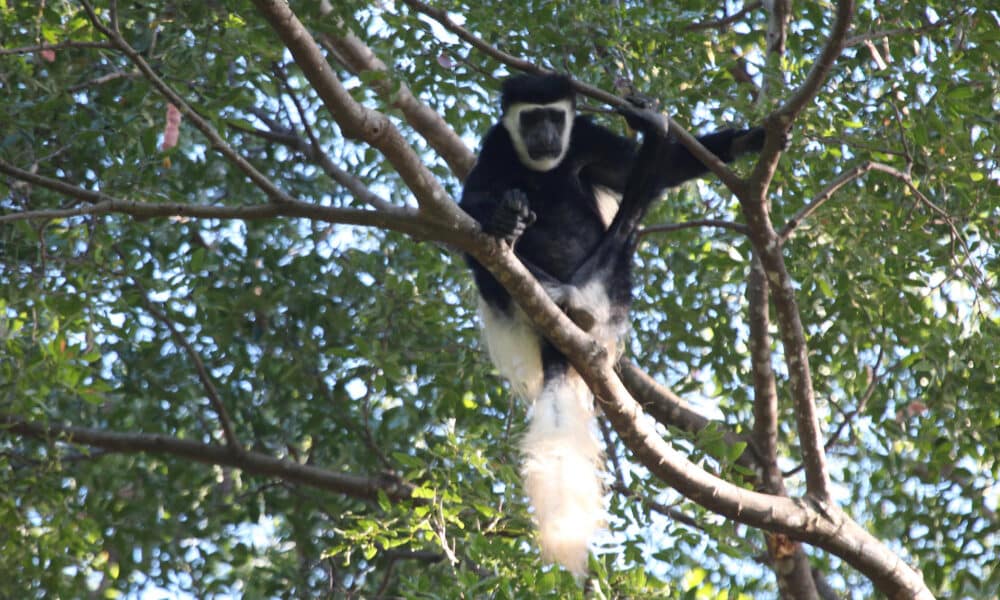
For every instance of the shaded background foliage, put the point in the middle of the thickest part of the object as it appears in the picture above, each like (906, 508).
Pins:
(357, 349)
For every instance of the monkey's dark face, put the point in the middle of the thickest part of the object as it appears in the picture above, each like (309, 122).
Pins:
(540, 132)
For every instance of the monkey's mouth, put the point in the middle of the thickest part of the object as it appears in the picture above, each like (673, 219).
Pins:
(543, 150)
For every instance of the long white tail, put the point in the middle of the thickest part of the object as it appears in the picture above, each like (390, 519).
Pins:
(561, 471)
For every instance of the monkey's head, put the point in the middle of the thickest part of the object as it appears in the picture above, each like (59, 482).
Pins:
(538, 113)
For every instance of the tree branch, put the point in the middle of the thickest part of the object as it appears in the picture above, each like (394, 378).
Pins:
(779, 14)
(215, 140)
(314, 151)
(211, 391)
(670, 227)
(356, 121)
(900, 31)
(779, 122)
(441, 16)
(813, 520)
(668, 511)
(788, 560)
(767, 247)
(806, 211)
(667, 408)
(428, 123)
(365, 488)
(59, 46)
(405, 220)
(765, 397)
(725, 21)
(823, 65)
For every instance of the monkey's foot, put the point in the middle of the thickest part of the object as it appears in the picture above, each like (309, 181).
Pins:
(583, 318)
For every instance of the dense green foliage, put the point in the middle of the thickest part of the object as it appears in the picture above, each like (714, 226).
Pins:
(357, 349)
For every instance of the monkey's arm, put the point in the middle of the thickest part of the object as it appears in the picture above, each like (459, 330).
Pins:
(728, 144)
(607, 158)
(603, 157)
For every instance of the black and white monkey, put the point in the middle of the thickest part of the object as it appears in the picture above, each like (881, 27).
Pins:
(569, 194)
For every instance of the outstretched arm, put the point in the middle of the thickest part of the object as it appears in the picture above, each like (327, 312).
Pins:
(607, 158)
(679, 165)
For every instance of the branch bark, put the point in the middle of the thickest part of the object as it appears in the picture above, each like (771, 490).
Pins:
(59, 46)
(779, 122)
(767, 246)
(812, 519)
(670, 227)
(824, 64)
(667, 408)
(813, 205)
(725, 21)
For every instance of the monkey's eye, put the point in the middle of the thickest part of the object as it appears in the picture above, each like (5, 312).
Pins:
(553, 116)
(531, 118)
(556, 116)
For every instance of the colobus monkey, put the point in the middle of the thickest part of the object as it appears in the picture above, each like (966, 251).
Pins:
(549, 182)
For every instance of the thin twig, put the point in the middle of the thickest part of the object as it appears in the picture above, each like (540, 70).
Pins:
(609, 449)
(899, 31)
(402, 219)
(206, 380)
(669, 511)
(314, 150)
(849, 417)
(104, 79)
(429, 123)
(59, 46)
(671, 227)
(259, 179)
(725, 21)
(813, 205)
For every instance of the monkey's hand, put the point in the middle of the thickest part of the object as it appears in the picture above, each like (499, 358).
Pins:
(511, 217)
(752, 140)
(643, 114)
